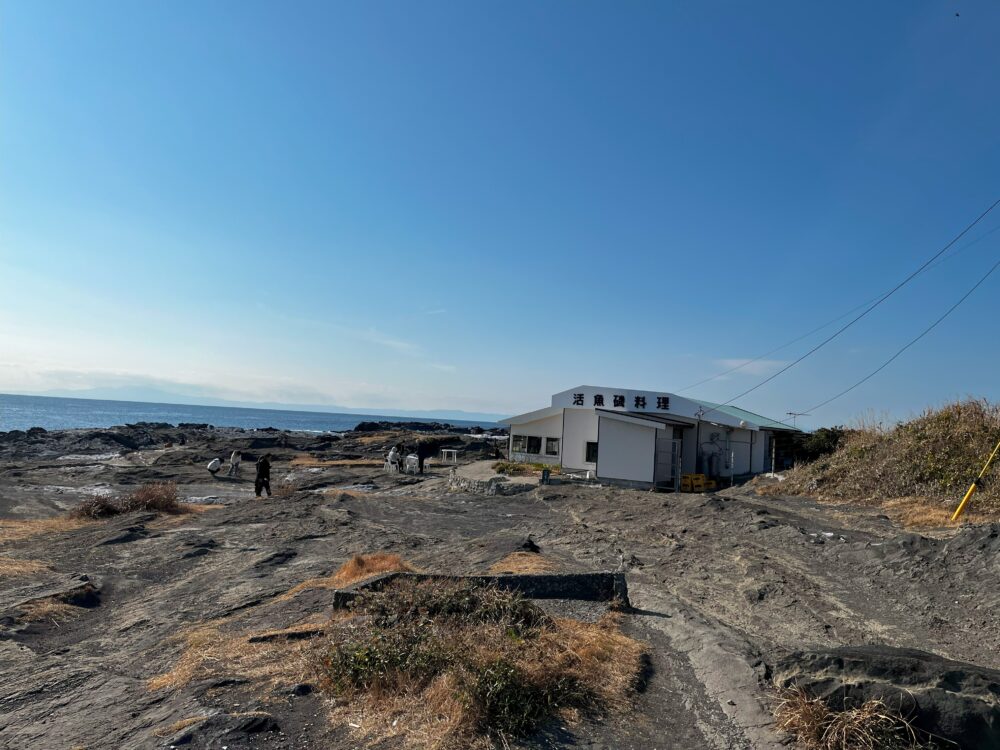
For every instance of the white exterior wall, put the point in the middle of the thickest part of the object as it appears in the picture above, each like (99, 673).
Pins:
(733, 448)
(543, 428)
(579, 428)
(739, 444)
(626, 451)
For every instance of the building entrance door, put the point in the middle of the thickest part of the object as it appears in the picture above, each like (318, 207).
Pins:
(667, 472)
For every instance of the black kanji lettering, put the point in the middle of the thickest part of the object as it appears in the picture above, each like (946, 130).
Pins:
(663, 402)
(577, 399)
(619, 401)
(598, 399)
(640, 402)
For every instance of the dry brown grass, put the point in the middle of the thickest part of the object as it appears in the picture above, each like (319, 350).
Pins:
(159, 497)
(348, 493)
(520, 468)
(356, 569)
(585, 666)
(284, 489)
(523, 562)
(924, 513)
(48, 610)
(931, 459)
(449, 667)
(307, 461)
(179, 725)
(156, 497)
(16, 530)
(360, 567)
(390, 437)
(12, 567)
(208, 648)
(872, 725)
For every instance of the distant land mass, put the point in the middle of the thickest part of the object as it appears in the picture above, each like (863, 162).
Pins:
(160, 396)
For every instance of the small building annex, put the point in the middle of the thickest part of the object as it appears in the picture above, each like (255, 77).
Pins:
(646, 439)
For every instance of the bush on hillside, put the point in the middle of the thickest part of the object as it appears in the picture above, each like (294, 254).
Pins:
(822, 442)
(936, 455)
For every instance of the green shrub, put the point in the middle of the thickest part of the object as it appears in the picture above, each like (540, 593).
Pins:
(502, 664)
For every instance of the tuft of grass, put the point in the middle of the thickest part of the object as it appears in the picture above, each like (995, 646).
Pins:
(11, 567)
(449, 665)
(933, 457)
(179, 725)
(50, 609)
(871, 725)
(158, 497)
(360, 567)
(96, 507)
(523, 562)
(356, 569)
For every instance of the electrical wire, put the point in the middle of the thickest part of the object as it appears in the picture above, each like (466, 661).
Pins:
(854, 320)
(829, 323)
(911, 342)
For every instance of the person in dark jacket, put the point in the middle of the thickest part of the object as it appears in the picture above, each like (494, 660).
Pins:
(424, 451)
(263, 480)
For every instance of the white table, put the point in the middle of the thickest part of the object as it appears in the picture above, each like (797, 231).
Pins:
(449, 456)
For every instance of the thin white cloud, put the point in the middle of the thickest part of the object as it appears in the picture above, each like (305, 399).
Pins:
(374, 336)
(758, 367)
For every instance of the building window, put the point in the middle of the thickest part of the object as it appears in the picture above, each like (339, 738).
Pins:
(519, 444)
(591, 453)
(534, 445)
(551, 446)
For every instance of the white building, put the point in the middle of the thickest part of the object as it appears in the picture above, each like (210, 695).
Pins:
(643, 438)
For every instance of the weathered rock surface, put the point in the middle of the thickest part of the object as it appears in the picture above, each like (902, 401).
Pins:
(728, 592)
(945, 698)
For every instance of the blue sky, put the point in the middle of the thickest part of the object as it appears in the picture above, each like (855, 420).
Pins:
(475, 205)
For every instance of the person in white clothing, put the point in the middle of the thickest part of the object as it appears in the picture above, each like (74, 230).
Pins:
(234, 463)
(393, 458)
(213, 466)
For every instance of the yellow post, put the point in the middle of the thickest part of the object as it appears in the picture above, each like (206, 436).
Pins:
(972, 487)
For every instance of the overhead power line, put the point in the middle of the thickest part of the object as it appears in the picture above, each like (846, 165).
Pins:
(911, 342)
(830, 322)
(867, 310)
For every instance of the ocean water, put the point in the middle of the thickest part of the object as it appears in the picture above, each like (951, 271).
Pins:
(24, 412)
